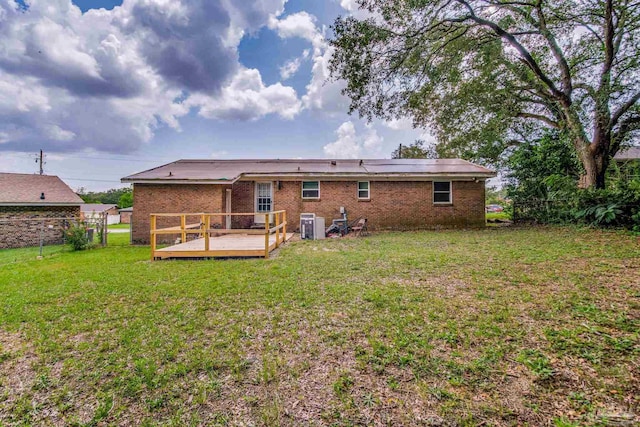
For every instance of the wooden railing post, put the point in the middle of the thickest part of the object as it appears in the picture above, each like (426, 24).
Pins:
(284, 226)
(153, 237)
(206, 224)
(266, 235)
(183, 226)
(277, 229)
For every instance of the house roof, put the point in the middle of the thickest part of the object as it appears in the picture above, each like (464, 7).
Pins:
(96, 207)
(229, 171)
(18, 189)
(631, 153)
(129, 209)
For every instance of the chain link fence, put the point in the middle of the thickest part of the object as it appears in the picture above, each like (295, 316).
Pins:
(43, 231)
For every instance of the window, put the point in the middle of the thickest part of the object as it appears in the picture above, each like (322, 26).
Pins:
(264, 196)
(442, 192)
(310, 189)
(363, 189)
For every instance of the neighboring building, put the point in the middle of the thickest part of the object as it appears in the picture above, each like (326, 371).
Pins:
(35, 206)
(125, 215)
(391, 194)
(95, 211)
(628, 161)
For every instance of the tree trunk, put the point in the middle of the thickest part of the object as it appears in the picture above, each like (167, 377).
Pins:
(595, 163)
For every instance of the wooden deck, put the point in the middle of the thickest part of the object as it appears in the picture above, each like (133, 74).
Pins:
(203, 241)
(230, 245)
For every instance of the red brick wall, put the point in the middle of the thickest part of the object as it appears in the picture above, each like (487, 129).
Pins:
(168, 198)
(20, 226)
(393, 204)
(125, 217)
(242, 200)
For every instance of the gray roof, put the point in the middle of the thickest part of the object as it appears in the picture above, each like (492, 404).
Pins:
(26, 189)
(129, 209)
(229, 171)
(96, 207)
(631, 153)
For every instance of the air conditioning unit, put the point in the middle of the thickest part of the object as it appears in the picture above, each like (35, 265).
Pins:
(307, 226)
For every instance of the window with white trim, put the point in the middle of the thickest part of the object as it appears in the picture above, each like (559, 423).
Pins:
(310, 189)
(441, 191)
(363, 190)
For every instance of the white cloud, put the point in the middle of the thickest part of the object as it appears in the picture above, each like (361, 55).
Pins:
(323, 93)
(399, 124)
(350, 145)
(290, 68)
(107, 79)
(301, 24)
(247, 98)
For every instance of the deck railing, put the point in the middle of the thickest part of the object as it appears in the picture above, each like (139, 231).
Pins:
(275, 222)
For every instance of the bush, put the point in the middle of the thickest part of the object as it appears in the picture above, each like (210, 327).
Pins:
(617, 206)
(77, 237)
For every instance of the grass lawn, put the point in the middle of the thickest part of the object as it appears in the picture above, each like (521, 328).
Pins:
(503, 326)
(118, 226)
(497, 215)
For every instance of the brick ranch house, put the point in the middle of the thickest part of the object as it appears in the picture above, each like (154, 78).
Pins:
(34, 204)
(391, 194)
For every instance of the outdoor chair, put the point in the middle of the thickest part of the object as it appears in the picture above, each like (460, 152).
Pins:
(360, 229)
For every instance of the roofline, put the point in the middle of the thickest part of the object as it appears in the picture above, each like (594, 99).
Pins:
(179, 181)
(295, 176)
(39, 204)
(428, 176)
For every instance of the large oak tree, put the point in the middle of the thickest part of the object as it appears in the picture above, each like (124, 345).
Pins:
(489, 74)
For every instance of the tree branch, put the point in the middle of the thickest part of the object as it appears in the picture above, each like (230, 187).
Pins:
(524, 53)
(541, 118)
(557, 52)
(624, 108)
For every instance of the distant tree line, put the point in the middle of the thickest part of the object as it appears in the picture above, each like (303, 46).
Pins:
(123, 197)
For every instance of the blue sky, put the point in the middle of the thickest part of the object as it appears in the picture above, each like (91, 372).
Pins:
(109, 92)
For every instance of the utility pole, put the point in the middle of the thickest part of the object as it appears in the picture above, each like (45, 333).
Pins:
(40, 160)
(400, 151)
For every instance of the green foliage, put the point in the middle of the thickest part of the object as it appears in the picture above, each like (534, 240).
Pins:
(126, 200)
(618, 206)
(416, 150)
(77, 237)
(486, 79)
(113, 196)
(493, 196)
(545, 170)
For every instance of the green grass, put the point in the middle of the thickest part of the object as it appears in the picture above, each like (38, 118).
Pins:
(497, 215)
(118, 226)
(505, 326)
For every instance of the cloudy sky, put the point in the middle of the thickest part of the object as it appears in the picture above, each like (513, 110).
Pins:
(109, 87)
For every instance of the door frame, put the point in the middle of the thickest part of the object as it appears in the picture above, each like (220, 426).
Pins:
(259, 219)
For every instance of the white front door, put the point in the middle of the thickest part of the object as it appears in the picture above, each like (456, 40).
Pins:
(264, 200)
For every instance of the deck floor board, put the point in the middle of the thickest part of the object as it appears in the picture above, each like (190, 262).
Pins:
(242, 243)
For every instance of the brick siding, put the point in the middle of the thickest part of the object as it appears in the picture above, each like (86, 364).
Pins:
(21, 226)
(166, 198)
(125, 217)
(398, 205)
